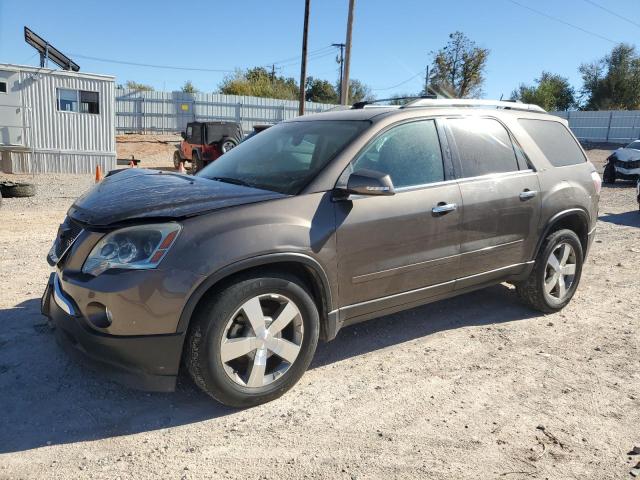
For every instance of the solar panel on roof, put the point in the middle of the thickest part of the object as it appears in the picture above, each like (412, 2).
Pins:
(48, 51)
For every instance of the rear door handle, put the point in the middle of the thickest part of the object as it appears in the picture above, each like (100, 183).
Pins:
(527, 194)
(442, 208)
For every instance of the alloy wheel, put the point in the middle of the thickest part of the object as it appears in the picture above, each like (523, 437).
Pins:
(560, 271)
(262, 340)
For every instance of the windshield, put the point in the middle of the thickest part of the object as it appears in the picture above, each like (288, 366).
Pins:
(285, 157)
(635, 145)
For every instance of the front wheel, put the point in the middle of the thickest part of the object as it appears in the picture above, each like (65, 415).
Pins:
(177, 160)
(253, 340)
(197, 163)
(609, 173)
(555, 275)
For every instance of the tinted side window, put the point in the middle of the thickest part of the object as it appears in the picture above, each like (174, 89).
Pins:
(484, 146)
(555, 141)
(409, 153)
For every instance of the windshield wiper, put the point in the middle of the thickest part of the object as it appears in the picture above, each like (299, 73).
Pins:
(234, 181)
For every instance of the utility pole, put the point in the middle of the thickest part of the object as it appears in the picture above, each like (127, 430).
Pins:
(426, 82)
(344, 93)
(303, 64)
(273, 72)
(340, 60)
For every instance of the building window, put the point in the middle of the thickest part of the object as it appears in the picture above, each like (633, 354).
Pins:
(89, 102)
(3, 87)
(67, 100)
(78, 101)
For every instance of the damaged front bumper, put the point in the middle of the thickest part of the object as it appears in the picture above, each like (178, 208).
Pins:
(144, 362)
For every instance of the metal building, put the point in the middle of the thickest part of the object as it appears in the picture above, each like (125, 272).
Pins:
(54, 121)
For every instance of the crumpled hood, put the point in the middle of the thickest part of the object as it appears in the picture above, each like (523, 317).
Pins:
(627, 154)
(141, 193)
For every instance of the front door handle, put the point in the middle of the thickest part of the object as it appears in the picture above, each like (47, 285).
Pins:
(527, 194)
(443, 208)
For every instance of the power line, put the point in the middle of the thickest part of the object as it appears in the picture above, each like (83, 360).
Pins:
(310, 57)
(150, 65)
(621, 17)
(556, 19)
(321, 52)
(297, 57)
(24, 62)
(399, 84)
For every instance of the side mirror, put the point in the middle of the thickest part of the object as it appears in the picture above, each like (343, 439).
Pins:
(369, 182)
(183, 135)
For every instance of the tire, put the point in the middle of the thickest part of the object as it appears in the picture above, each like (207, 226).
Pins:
(216, 322)
(197, 163)
(609, 174)
(532, 291)
(17, 190)
(177, 159)
(227, 144)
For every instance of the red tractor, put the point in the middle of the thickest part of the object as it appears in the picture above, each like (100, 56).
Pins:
(203, 142)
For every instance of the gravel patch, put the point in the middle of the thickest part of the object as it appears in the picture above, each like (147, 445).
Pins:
(473, 387)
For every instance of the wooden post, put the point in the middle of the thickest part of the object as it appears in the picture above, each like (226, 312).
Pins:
(344, 93)
(303, 63)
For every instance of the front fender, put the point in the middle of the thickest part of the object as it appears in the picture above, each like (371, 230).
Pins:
(258, 261)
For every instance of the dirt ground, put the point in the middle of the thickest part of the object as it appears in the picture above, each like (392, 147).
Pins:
(477, 387)
(153, 151)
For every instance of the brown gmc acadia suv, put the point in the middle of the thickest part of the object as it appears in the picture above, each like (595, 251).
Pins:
(319, 222)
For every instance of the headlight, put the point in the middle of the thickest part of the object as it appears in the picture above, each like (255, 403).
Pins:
(140, 247)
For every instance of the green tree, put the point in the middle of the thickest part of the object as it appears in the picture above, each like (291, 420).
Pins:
(322, 91)
(551, 92)
(613, 82)
(358, 91)
(258, 82)
(458, 68)
(188, 87)
(133, 85)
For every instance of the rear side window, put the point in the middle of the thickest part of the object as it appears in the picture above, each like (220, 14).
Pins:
(196, 134)
(484, 146)
(555, 141)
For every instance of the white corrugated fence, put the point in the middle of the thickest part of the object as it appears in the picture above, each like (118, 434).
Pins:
(613, 126)
(169, 112)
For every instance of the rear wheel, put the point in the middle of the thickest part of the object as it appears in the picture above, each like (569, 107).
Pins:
(227, 144)
(253, 340)
(555, 275)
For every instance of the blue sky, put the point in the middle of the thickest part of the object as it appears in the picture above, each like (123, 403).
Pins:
(392, 40)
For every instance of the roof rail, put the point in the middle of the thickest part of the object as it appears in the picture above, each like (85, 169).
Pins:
(365, 103)
(507, 105)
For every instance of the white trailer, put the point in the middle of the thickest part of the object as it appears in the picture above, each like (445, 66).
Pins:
(54, 121)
